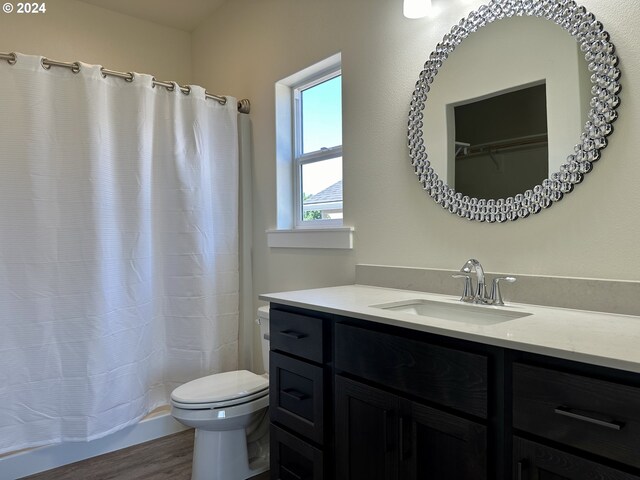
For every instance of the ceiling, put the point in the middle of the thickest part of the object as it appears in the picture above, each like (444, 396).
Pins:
(181, 14)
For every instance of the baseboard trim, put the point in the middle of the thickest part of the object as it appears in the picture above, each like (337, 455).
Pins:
(36, 460)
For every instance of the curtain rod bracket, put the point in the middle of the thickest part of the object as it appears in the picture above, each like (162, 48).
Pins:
(244, 106)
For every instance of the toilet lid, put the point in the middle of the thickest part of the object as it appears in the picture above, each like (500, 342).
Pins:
(220, 387)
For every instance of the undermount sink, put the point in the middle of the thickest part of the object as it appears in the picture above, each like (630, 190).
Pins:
(456, 312)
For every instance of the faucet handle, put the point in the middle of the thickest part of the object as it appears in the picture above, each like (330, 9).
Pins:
(495, 295)
(466, 291)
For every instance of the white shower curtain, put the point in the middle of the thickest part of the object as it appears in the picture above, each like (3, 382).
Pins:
(118, 248)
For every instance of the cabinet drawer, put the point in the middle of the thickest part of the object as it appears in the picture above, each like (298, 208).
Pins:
(593, 415)
(534, 461)
(298, 335)
(296, 395)
(446, 376)
(293, 459)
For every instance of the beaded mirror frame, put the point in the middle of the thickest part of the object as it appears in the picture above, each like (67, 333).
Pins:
(599, 53)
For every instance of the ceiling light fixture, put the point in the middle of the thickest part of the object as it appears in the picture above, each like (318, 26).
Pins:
(416, 8)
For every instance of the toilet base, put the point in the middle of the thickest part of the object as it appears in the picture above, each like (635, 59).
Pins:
(223, 455)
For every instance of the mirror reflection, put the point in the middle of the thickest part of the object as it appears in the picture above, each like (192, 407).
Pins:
(506, 155)
(507, 107)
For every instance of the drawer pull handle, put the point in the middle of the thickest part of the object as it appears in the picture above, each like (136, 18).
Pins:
(293, 334)
(291, 473)
(405, 438)
(567, 412)
(295, 394)
(387, 433)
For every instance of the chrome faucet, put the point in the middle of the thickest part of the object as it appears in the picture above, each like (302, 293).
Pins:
(480, 294)
(496, 296)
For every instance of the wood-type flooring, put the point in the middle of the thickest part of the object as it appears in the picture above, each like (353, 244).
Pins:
(167, 458)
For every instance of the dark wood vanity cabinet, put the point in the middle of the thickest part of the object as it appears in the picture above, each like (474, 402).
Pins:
(388, 424)
(381, 435)
(299, 395)
(584, 426)
(357, 400)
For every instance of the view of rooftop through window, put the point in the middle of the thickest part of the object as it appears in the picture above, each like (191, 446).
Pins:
(321, 122)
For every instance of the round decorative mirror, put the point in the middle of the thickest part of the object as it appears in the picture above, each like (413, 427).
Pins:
(518, 114)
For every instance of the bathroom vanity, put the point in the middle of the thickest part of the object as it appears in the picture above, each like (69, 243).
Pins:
(369, 383)
(363, 388)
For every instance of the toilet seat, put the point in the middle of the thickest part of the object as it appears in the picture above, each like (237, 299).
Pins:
(214, 405)
(220, 390)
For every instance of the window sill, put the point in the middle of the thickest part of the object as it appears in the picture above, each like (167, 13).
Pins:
(325, 238)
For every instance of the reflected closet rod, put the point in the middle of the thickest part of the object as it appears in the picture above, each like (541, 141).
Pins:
(244, 106)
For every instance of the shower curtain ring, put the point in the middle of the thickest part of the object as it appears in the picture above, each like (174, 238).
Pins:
(47, 64)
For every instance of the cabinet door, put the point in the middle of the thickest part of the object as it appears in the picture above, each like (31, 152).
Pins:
(367, 427)
(440, 446)
(533, 461)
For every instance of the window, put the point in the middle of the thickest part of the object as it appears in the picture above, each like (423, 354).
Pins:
(308, 125)
(318, 151)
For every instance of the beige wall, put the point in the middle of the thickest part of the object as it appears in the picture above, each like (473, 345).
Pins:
(71, 30)
(243, 50)
(249, 44)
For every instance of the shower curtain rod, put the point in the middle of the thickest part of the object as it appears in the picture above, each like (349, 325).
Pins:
(244, 106)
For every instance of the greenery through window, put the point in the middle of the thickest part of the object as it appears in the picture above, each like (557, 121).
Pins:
(318, 150)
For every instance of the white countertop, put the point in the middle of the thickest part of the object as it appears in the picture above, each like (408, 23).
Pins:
(609, 340)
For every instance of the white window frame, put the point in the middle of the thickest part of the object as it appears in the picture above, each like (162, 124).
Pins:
(286, 233)
(300, 158)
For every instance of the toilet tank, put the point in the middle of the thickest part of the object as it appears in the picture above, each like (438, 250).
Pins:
(263, 321)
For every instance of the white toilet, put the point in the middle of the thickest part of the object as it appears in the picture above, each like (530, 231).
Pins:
(230, 414)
